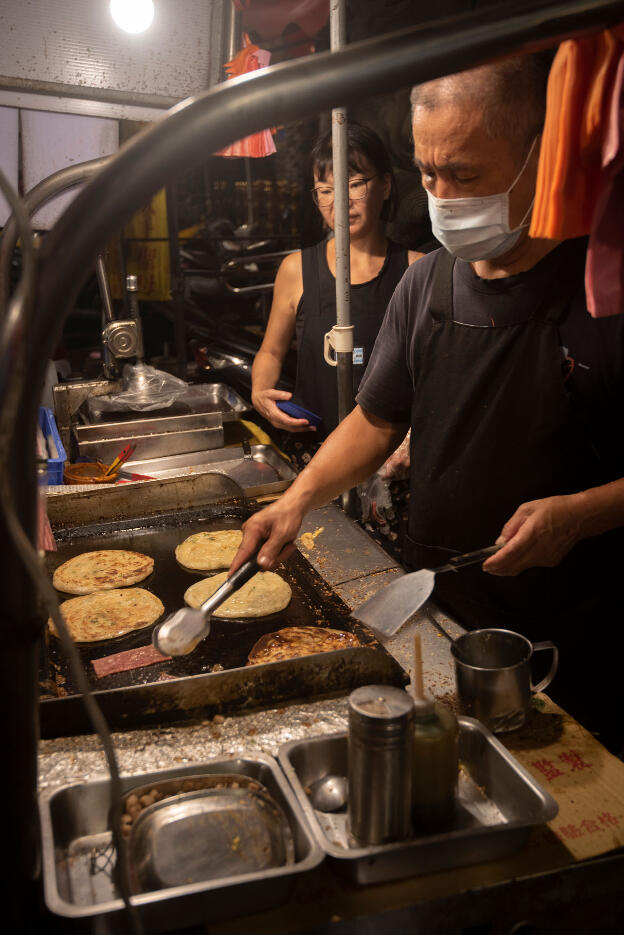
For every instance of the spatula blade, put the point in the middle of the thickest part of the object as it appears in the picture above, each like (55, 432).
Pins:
(387, 610)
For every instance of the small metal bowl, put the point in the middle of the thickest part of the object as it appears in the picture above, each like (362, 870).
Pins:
(89, 472)
(207, 834)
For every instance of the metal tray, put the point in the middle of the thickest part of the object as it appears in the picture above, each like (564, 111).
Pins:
(498, 803)
(78, 856)
(263, 471)
(207, 834)
(201, 397)
(154, 437)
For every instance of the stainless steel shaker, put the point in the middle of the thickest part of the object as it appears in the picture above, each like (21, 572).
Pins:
(380, 764)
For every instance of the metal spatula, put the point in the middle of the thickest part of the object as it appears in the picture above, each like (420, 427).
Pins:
(180, 633)
(387, 611)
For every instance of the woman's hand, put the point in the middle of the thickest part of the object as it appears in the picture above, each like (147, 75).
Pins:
(264, 402)
(540, 533)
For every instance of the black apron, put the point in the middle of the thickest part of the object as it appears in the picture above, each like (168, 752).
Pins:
(492, 428)
(316, 385)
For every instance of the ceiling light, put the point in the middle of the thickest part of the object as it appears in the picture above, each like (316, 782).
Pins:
(132, 15)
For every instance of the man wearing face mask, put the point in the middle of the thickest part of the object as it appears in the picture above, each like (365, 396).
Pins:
(514, 395)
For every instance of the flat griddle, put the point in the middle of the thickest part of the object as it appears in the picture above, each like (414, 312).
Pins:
(214, 678)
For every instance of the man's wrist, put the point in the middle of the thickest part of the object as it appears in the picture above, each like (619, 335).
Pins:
(306, 492)
(598, 509)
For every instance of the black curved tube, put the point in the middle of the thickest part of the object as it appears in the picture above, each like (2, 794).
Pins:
(43, 192)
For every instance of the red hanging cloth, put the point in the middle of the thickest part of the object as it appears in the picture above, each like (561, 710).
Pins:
(580, 180)
(250, 58)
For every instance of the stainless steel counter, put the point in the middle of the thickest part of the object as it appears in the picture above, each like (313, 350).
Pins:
(495, 898)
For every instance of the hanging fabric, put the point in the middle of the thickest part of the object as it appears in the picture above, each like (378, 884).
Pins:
(580, 181)
(250, 58)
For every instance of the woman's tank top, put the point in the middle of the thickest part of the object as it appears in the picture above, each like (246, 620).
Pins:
(316, 384)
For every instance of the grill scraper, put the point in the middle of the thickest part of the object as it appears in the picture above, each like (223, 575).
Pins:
(387, 610)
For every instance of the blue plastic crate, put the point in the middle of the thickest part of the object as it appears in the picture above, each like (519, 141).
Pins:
(47, 424)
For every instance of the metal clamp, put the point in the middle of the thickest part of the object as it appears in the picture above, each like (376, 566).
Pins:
(340, 341)
(123, 338)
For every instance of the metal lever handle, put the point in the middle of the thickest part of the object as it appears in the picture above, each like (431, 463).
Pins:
(469, 558)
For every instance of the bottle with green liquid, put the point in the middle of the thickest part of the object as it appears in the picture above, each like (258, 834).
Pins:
(435, 765)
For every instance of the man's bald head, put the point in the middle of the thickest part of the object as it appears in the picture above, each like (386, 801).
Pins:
(511, 94)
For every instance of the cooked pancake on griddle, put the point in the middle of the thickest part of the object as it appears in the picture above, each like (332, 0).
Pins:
(105, 615)
(101, 571)
(299, 641)
(207, 551)
(265, 593)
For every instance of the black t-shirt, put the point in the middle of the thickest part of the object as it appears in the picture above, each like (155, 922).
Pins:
(592, 350)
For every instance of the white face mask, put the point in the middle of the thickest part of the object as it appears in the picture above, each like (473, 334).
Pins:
(476, 228)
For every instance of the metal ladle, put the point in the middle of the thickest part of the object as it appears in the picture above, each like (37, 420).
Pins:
(329, 794)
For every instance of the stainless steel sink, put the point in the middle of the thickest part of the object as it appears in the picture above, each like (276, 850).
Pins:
(79, 857)
(260, 471)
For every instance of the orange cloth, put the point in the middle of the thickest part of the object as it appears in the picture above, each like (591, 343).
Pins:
(569, 174)
(250, 58)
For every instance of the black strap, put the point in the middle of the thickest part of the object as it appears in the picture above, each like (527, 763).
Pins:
(441, 302)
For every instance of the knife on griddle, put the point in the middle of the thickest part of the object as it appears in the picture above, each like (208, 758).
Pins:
(182, 631)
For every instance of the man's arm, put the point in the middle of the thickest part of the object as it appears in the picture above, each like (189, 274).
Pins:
(542, 532)
(354, 450)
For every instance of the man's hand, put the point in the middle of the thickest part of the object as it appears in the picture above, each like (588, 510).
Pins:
(539, 533)
(278, 525)
(353, 451)
(265, 402)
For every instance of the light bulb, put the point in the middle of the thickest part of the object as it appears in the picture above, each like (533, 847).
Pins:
(132, 15)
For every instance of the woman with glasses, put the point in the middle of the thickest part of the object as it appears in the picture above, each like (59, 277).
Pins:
(304, 295)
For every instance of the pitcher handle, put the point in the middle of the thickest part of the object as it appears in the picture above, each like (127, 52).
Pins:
(545, 682)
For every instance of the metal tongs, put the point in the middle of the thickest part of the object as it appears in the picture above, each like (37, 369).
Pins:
(183, 630)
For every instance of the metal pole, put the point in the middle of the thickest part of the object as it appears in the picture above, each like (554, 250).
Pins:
(337, 26)
(232, 32)
(105, 293)
(177, 280)
(344, 358)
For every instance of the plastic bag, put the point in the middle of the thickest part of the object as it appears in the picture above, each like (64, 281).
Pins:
(144, 389)
(398, 464)
(376, 502)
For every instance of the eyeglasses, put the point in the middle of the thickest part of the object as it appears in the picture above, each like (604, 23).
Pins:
(323, 195)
